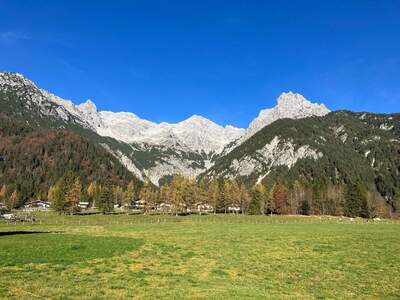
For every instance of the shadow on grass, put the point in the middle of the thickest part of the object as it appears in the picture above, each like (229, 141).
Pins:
(20, 232)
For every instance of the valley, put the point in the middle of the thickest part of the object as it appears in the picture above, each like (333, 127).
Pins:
(147, 257)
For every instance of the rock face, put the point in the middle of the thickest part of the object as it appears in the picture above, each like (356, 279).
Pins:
(278, 152)
(196, 133)
(274, 153)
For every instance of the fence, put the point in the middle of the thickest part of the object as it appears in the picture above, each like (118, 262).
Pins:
(52, 219)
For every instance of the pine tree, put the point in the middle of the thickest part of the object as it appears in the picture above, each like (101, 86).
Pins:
(356, 203)
(255, 201)
(304, 208)
(222, 199)
(105, 201)
(56, 196)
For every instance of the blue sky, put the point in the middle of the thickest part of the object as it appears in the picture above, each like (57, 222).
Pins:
(225, 60)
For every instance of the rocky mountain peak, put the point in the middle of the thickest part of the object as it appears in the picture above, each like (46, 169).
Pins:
(88, 105)
(289, 105)
(292, 102)
(197, 120)
(13, 79)
(291, 98)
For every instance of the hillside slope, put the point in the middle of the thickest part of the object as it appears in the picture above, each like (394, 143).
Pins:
(33, 160)
(339, 148)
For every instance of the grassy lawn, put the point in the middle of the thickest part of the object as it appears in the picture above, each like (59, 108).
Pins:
(200, 257)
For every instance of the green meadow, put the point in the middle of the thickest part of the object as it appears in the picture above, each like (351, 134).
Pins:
(199, 257)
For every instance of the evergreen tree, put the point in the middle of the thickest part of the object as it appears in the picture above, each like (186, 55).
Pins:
(222, 200)
(255, 201)
(56, 196)
(304, 208)
(318, 199)
(105, 201)
(356, 204)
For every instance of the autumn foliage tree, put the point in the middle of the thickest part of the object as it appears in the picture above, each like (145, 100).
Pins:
(73, 196)
(279, 196)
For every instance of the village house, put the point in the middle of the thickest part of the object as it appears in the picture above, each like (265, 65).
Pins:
(83, 205)
(37, 205)
(139, 204)
(164, 207)
(203, 208)
(234, 209)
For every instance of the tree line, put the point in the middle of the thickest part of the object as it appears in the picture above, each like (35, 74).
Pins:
(186, 195)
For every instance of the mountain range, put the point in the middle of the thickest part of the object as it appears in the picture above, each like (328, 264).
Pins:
(146, 148)
(295, 140)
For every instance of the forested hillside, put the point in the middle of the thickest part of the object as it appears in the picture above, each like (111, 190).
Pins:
(33, 160)
(320, 153)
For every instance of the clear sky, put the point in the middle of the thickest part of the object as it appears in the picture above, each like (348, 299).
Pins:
(225, 60)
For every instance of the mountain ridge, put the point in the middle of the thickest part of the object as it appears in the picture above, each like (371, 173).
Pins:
(133, 128)
(146, 148)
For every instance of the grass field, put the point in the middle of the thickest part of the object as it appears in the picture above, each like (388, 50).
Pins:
(199, 257)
